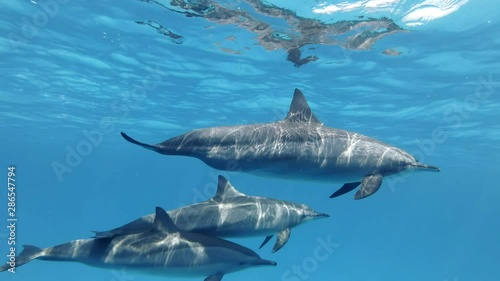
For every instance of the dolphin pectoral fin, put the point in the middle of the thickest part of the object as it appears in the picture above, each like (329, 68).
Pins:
(131, 140)
(266, 240)
(369, 185)
(345, 188)
(215, 277)
(281, 239)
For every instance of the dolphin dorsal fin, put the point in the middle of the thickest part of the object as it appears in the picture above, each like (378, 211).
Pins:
(300, 110)
(163, 222)
(225, 190)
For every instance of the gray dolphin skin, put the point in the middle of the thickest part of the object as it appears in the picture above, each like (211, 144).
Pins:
(162, 250)
(298, 147)
(231, 213)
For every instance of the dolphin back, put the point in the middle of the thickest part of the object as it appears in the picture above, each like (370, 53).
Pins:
(139, 225)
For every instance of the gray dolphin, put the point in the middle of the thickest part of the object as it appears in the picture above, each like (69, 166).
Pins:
(298, 147)
(161, 250)
(231, 213)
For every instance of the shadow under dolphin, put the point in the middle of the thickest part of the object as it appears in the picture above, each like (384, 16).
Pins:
(298, 147)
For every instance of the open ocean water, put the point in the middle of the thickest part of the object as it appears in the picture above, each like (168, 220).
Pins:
(421, 75)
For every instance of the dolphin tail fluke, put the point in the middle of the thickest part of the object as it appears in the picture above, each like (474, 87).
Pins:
(29, 253)
(421, 166)
(131, 140)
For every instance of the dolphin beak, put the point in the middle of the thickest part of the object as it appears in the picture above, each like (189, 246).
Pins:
(421, 166)
(264, 262)
(321, 215)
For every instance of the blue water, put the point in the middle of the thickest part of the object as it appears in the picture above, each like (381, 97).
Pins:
(82, 72)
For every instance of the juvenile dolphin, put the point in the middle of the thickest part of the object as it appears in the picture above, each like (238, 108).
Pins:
(298, 147)
(162, 250)
(231, 213)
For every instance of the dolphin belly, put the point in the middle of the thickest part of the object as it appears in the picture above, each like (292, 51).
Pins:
(326, 166)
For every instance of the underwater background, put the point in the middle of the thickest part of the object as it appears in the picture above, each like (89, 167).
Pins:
(421, 75)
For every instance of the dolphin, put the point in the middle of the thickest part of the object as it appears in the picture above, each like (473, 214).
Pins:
(231, 213)
(162, 250)
(298, 147)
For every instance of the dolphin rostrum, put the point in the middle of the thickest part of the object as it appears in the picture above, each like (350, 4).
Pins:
(231, 213)
(298, 147)
(162, 250)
